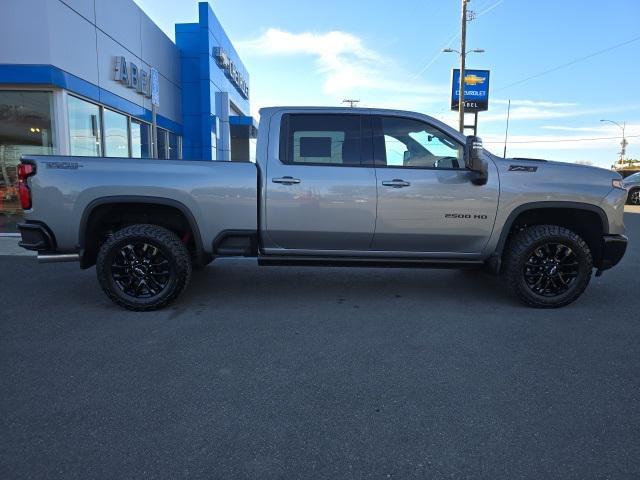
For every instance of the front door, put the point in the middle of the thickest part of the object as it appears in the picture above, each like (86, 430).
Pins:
(319, 196)
(426, 201)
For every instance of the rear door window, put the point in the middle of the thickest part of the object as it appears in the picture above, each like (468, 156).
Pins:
(317, 139)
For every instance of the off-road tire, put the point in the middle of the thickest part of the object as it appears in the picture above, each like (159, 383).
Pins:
(169, 246)
(522, 246)
(634, 196)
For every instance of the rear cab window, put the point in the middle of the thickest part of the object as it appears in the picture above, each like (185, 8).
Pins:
(321, 139)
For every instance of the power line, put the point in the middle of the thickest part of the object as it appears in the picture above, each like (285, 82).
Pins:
(454, 36)
(487, 10)
(572, 62)
(567, 140)
(437, 55)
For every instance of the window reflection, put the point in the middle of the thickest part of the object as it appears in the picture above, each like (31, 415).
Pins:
(84, 127)
(140, 139)
(25, 129)
(116, 139)
(162, 143)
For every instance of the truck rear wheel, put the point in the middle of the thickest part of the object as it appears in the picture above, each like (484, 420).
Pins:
(547, 266)
(143, 267)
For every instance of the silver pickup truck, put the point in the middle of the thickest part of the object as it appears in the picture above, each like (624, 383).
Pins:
(331, 186)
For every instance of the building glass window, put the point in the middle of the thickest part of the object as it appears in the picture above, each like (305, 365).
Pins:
(84, 127)
(173, 146)
(140, 139)
(116, 134)
(25, 129)
(162, 144)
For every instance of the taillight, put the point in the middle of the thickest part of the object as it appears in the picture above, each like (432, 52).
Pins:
(25, 170)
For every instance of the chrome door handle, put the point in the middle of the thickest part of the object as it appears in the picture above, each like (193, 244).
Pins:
(286, 180)
(396, 183)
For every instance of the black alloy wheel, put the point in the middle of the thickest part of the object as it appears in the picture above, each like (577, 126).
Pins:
(551, 269)
(547, 266)
(140, 270)
(143, 267)
(634, 197)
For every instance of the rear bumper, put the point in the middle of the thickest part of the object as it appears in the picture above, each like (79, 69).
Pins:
(36, 236)
(613, 249)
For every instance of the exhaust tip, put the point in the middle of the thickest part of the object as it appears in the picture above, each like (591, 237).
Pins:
(58, 257)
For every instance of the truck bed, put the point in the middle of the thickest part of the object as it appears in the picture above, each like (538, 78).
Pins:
(218, 195)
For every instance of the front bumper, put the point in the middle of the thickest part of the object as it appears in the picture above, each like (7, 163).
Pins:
(613, 249)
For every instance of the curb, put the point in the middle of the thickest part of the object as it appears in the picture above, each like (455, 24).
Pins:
(9, 247)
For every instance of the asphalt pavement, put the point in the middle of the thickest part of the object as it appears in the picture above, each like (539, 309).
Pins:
(318, 373)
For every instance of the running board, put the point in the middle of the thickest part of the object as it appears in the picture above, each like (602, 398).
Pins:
(277, 260)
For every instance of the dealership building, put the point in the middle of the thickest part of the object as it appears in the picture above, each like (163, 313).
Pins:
(99, 78)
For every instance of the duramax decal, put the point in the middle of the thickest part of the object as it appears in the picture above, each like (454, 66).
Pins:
(63, 165)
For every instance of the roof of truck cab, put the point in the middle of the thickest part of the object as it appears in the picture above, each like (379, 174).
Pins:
(268, 111)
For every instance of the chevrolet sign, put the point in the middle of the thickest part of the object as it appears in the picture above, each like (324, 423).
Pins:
(476, 90)
(226, 64)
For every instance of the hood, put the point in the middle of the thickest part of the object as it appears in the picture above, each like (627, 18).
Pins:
(561, 176)
(569, 167)
(631, 181)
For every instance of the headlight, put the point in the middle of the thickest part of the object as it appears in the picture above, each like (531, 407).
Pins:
(617, 183)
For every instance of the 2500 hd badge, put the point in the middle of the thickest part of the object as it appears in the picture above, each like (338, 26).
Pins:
(465, 215)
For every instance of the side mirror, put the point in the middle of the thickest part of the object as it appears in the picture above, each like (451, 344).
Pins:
(474, 160)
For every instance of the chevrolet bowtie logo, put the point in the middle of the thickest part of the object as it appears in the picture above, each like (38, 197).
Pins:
(473, 80)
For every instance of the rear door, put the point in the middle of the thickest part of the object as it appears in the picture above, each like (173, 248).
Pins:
(426, 201)
(320, 186)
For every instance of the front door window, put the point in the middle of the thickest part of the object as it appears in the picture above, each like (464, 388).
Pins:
(404, 142)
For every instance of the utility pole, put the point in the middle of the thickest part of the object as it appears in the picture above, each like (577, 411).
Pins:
(463, 51)
(506, 132)
(352, 103)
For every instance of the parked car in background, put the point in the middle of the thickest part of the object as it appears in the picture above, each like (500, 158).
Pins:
(632, 186)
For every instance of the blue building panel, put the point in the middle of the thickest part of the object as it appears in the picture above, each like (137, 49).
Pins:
(203, 78)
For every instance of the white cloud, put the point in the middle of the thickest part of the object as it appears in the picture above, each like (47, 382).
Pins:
(533, 103)
(564, 128)
(603, 138)
(529, 113)
(348, 66)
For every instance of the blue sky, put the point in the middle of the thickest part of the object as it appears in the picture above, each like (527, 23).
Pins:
(386, 54)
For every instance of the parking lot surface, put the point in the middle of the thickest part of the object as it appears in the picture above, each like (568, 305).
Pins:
(318, 373)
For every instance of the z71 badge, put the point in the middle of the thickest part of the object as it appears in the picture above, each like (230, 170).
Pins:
(522, 168)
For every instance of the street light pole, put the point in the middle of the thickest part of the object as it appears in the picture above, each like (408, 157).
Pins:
(463, 50)
(623, 143)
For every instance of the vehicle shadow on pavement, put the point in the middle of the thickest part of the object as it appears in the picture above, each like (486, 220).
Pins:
(242, 282)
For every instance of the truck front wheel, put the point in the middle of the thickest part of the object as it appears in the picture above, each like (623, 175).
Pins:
(547, 266)
(143, 267)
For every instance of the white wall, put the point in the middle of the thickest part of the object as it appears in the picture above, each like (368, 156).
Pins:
(81, 37)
